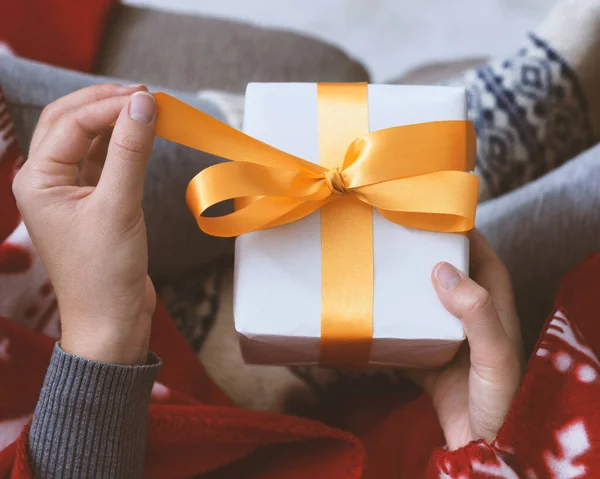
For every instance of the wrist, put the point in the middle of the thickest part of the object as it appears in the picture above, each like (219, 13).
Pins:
(115, 343)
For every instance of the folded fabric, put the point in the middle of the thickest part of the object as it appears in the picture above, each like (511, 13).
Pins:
(60, 32)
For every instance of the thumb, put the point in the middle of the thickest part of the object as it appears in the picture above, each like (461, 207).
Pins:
(122, 179)
(490, 347)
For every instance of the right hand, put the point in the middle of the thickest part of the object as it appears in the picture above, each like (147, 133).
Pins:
(80, 195)
(473, 394)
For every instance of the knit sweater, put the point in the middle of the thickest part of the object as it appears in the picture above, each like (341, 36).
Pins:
(90, 420)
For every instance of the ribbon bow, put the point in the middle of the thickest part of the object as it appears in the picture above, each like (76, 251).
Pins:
(414, 175)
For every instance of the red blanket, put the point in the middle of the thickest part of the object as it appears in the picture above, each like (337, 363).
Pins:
(552, 430)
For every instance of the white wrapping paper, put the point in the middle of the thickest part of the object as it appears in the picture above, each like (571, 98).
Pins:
(277, 290)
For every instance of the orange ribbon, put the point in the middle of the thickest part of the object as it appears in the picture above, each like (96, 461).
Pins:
(347, 275)
(414, 175)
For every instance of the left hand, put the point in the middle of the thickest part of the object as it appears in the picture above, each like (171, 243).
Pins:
(80, 195)
(472, 395)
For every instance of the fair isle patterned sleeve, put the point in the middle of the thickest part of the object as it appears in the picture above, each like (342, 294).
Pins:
(540, 107)
(530, 113)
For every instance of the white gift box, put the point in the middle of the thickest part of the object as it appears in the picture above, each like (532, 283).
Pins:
(277, 289)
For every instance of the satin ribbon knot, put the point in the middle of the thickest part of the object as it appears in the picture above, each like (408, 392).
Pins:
(414, 175)
(335, 181)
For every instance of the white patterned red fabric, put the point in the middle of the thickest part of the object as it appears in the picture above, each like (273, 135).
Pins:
(26, 295)
(553, 429)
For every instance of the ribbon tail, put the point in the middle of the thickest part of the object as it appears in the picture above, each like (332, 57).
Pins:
(183, 124)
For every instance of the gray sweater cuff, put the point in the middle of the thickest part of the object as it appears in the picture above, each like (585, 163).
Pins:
(90, 420)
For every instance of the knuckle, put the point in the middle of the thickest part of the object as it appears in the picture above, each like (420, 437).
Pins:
(98, 92)
(128, 147)
(22, 189)
(478, 300)
(71, 122)
(50, 113)
(67, 123)
(17, 186)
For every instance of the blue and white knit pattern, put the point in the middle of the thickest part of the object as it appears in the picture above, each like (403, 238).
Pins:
(530, 115)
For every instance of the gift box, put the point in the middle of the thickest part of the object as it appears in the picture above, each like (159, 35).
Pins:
(278, 271)
(347, 195)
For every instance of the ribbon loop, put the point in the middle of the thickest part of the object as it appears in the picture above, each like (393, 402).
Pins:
(377, 167)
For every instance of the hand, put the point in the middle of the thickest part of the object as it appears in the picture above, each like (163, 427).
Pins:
(80, 195)
(472, 395)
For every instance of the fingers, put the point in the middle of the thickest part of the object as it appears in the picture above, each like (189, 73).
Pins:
(66, 143)
(122, 179)
(82, 133)
(485, 264)
(63, 105)
(489, 272)
(491, 349)
(91, 169)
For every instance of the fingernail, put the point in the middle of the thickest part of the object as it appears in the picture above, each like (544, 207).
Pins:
(447, 276)
(130, 88)
(142, 107)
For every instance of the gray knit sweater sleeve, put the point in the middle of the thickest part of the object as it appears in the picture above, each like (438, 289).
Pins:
(90, 420)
